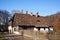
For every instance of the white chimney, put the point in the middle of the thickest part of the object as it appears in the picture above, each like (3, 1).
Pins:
(31, 14)
(21, 11)
(37, 14)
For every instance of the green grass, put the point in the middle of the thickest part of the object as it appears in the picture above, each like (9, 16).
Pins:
(1, 36)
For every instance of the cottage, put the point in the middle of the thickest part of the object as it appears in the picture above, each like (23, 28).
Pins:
(22, 21)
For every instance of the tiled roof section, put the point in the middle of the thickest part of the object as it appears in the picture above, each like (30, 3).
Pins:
(27, 19)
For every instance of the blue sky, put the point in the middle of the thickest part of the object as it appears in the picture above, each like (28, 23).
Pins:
(44, 7)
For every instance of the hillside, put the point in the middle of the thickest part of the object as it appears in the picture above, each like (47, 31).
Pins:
(55, 21)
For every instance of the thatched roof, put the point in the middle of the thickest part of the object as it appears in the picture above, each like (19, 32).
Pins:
(27, 19)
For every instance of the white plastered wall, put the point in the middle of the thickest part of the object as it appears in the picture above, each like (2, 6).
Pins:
(10, 29)
(16, 30)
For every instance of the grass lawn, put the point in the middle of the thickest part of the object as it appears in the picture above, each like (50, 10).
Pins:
(1, 36)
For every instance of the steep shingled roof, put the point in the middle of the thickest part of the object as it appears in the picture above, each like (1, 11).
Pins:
(27, 19)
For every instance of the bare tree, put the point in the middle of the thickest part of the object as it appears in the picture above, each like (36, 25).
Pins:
(4, 17)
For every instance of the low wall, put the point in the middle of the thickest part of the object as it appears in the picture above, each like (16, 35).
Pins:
(28, 33)
(37, 35)
(54, 36)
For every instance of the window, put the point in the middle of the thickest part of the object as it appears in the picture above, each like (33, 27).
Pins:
(46, 29)
(14, 29)
(38, 20)
(41, 29)
(51, 29)
(35, 29)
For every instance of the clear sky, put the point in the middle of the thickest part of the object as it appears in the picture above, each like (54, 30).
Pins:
(44, 7)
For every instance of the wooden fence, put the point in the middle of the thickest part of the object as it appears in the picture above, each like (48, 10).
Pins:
(37, 35)
(54, 36)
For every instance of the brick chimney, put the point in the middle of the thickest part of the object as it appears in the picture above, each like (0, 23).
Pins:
(31, 14)
(21, 11)
(37, 14)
